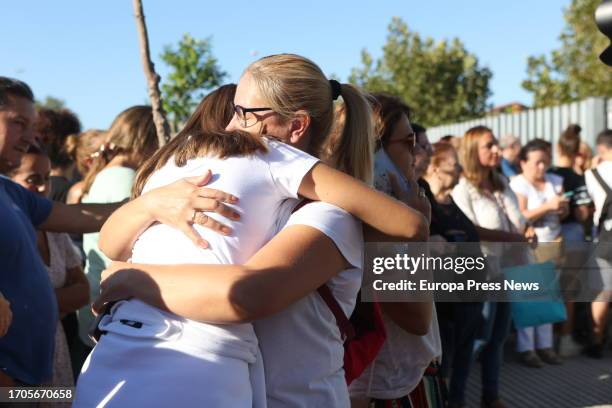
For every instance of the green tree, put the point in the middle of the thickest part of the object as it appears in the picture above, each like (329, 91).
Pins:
(194, 70)
(441, 81)
(51, 102)
(573, 71)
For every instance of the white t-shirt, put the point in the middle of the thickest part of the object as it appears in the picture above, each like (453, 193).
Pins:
(547, 227)
(261, 182)
(213, 357)
(301, 345)
(596, 192)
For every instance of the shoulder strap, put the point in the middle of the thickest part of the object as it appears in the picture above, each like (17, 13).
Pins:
(608, 202)
(347, 331)
(602, 182)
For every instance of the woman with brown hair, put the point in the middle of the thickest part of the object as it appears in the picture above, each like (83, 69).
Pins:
(410, 326)
(485, 198)
(286, 269)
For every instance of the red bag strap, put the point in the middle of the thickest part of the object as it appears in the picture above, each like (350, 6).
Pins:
(347, 331)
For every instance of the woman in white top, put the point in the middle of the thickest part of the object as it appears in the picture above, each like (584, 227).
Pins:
(484, 196)
(239, 292)
(541, 200)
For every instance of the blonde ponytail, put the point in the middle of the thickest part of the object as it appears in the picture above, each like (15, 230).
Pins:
(350, 146)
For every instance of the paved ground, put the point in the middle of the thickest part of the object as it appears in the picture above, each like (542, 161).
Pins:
(580, 382)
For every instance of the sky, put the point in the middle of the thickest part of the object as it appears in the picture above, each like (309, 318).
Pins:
(86, 53)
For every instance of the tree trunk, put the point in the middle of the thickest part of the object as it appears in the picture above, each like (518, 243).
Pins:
(161, 125)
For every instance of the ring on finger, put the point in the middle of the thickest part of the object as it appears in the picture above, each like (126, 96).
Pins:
(203, 220)
(195, 213)
(199, 218)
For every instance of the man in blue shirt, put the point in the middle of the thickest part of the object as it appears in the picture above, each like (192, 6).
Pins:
(26, 350)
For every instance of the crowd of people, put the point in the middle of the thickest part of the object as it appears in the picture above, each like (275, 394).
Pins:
(224, 268)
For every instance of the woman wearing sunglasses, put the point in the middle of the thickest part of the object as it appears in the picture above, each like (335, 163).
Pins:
(319, 242)
(410, 326)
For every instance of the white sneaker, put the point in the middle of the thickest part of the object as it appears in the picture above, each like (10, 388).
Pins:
(568, 347)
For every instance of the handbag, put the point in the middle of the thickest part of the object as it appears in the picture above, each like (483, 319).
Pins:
(535, 313)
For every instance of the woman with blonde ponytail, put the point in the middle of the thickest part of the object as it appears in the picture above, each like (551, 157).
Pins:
(279, 98)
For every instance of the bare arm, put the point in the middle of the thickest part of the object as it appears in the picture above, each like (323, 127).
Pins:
(75, 294)
(557, 204)
(384, 213)
(77, 218)
(120, 231)
(75, 194)
(534, 214)
(286, 269)
(412, 317)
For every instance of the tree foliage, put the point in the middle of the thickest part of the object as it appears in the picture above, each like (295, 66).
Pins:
(573, 71)
(194, 70)
(51, 102)
(441, 81)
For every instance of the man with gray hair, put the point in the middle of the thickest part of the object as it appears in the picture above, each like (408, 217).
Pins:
(510, 146)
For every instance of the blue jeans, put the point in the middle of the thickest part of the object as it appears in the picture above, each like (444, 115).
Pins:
(572, 232)
(458, 331)
(534, 338)
(498, 322)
